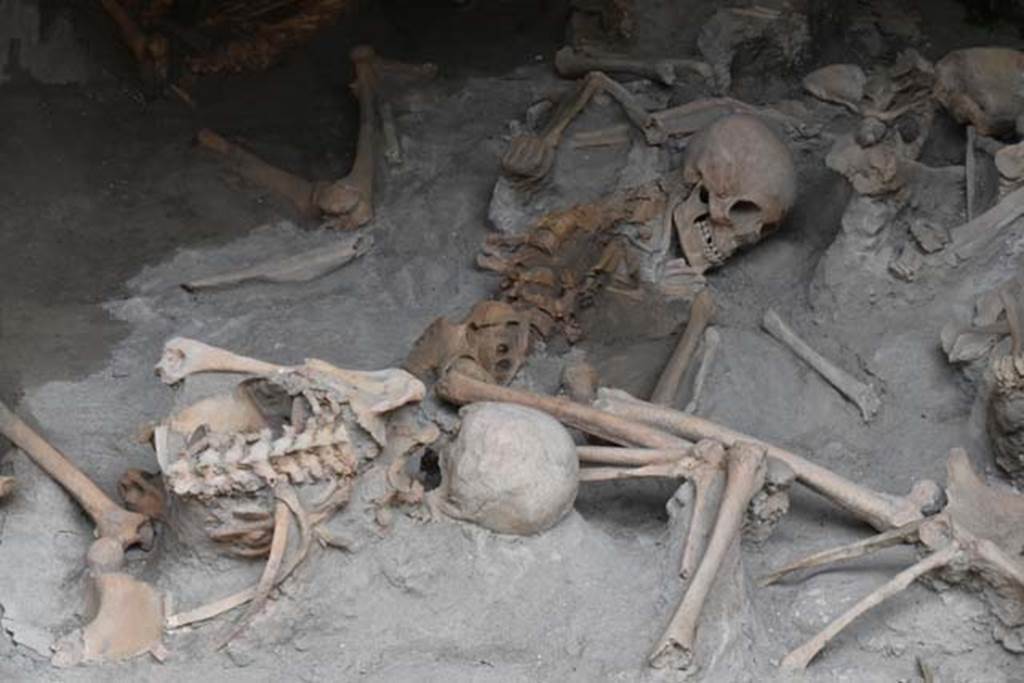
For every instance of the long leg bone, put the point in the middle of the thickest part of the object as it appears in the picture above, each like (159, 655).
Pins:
(111, 520)
(799, 658)
(744, 477)
(708, 484)
(712, 340)
(701, 313)
(461, 389)
(852, 551)
(863, 395)
(183, 357)
(302, 267)
(349, 201)
(298, 191)
(570, 63)
(882, 511)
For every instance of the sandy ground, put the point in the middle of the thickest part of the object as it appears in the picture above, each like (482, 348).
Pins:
(106, 207)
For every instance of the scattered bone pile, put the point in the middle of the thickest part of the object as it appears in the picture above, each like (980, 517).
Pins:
(295, 441)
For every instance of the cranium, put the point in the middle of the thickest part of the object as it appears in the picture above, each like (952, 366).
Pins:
(982, 86)
(743, 182)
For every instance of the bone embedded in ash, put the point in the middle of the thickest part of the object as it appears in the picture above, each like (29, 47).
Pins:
(971, 237)
(712, 340)
(298, 191)
(880, 510)
(6, 486)
(570, 63)
(301, 267)
(745, 473)
(701, 313)
(183, 357)
(863, 395)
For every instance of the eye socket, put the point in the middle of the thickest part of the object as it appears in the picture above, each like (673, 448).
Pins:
(704, 196)
(744, 210)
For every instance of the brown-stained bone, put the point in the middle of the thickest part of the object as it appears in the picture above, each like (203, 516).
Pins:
(129, 616)
(880, 510)
(580, 381)
(570, 63)
(460, 389)
(863, 395)
(142, 492)
(301, 267)
(701, 313)
(745, 473)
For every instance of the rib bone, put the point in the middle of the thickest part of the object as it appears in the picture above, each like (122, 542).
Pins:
(701, 313)
(745, 476)
(183, 357)
(880, 510)
(111, 520)
(863, 395)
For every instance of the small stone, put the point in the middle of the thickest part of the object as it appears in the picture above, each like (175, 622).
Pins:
(930, 237)
(906, 266)
(871, 132)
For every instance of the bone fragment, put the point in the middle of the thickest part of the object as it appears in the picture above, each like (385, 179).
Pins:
(1012, 308)
(708, 483)
(604, 137)
(461, 389)
(972, 236)
(863, 395)
(880, 510)
(303, 267)
(6, 486)
(111, 520)
(712, 340)
(278, 546)
(150, 51)
(970, 172)
(614, 455)
(852, 551)
(389, 131)
(580, 381)
(183, 357)
(298, 191)
(570, 63)
(745, 464)
(701, 313)
(799, 658)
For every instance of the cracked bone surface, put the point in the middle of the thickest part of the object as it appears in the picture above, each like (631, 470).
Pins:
(128, 616)
(745, 473)
(513, 470)
(880, 510)
(863, 395)
(743, 184)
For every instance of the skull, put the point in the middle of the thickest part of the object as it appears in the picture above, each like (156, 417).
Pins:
(743, 182)
(982, 86)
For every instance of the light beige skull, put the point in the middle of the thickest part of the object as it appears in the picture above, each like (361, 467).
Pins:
(743, 183)
(982, 86)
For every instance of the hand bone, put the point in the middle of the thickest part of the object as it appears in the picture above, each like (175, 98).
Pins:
(863, 395)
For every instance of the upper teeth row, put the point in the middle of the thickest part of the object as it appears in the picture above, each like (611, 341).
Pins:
(710, 250)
